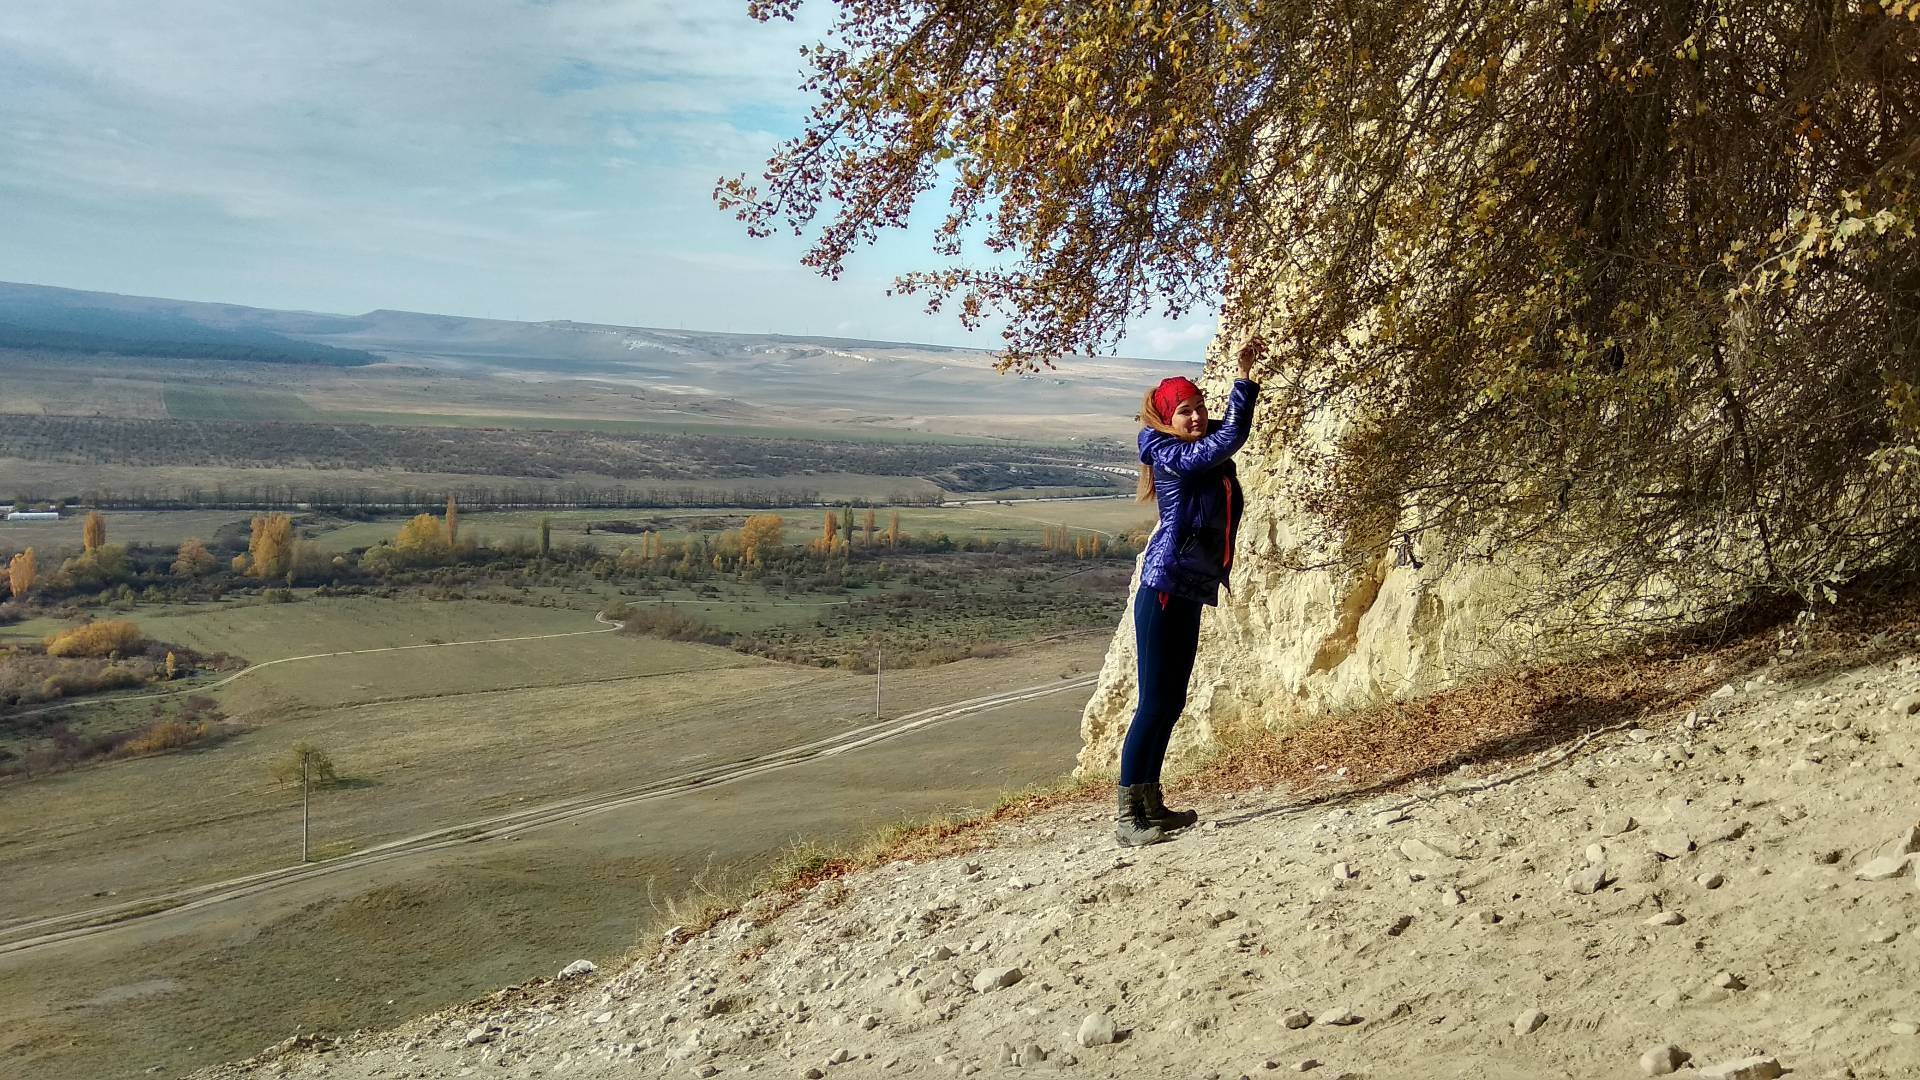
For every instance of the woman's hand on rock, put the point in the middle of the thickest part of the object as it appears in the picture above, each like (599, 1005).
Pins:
(1251, 353)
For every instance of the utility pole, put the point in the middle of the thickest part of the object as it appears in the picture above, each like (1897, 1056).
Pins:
(876, 680)
(306, 804)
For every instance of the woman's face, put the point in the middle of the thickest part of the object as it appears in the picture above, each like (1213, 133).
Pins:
(1189, 421)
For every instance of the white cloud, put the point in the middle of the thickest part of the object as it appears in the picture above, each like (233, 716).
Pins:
(1178, 341)
(474, 155)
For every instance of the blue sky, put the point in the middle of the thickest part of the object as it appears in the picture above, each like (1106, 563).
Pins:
(530, 160)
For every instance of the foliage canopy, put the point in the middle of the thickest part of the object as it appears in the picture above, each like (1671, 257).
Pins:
(1635, 277)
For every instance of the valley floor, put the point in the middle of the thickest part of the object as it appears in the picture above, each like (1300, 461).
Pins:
(383, 940)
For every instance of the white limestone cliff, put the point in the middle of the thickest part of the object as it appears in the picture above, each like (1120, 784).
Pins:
(1285, 643)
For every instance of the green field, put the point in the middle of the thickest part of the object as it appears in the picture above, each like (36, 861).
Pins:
(269, 631)
(167, 528)
(426, 667)
(1021, 521)
(212, 403)
(139, 825)
(1026, 521)
(162, 528)
(216, 403)
(667, 426)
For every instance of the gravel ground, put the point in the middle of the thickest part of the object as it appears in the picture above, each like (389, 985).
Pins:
(1728, 892)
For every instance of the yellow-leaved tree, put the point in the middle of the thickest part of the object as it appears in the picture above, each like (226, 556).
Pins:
(93, 532)
(423, 539)
(21, 572)
(270, 548)
(194, 560)
(761, 536)
(1624, 284)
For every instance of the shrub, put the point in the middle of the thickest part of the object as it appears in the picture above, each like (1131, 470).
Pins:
(661, 622)
(319, 765)
(194, 560)
(91, 678)
(98, 639)
(98, 568)
(164, 735)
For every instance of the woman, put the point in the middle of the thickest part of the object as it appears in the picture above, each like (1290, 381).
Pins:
(1186, 465)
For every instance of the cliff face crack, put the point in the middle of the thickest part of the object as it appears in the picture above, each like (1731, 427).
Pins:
(1353, 607)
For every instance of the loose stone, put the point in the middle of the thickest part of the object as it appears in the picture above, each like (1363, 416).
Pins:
(1097, 1030)
(1753, 1068)
(1528, 1022)
(1662, 1060)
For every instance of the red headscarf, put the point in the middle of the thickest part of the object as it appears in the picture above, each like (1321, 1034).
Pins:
(1170, 393)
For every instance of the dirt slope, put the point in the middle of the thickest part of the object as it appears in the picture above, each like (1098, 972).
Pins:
(1697, 884)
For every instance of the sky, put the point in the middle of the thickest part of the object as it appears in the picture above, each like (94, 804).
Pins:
(543, 159)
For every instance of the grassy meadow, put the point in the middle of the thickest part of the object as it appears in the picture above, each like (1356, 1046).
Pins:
(1027, 522)
(375, 946)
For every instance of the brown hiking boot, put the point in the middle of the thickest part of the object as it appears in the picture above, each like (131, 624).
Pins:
(1165, 819)
(1130, 824)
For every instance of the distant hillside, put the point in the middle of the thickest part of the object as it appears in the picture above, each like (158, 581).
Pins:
(266, 349)
(60, 321)
(488, 368)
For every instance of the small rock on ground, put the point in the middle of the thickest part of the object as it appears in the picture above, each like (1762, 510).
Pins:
(1589, 881)
(1662, 1060)
(1884, 868)
(1097, 1030)
(1753, 1068)
(996, 978)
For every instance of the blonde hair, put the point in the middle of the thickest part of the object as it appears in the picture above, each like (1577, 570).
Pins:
(1150, 417)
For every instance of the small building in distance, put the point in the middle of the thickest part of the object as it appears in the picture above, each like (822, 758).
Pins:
(33, 515)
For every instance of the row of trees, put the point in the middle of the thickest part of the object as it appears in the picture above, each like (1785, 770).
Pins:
(533, 496)
(617, 467)
(275, 552)
(837, 534)
(1080, 544)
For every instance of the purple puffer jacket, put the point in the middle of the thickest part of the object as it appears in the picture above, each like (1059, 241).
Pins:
(1200, 502)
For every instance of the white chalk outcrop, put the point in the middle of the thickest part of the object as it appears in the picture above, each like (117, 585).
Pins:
(1285, 643)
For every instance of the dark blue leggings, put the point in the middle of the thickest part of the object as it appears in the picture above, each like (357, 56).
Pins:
(1166, 635)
